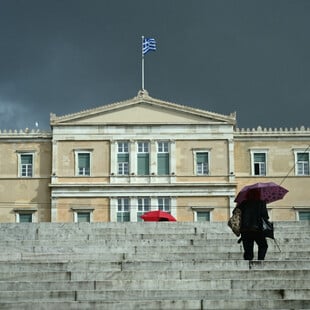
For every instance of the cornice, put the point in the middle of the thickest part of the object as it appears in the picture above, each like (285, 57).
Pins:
(271, 132)
(142, 97)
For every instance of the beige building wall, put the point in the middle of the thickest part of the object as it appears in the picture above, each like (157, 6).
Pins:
(188, 206)
(25, 194)
(69, 207)
(66, 163)
(185, 159)
(280, 148)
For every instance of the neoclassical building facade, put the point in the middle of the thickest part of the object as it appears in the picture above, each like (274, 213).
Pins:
(117, 161)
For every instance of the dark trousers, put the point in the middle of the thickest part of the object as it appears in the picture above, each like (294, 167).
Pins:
(248, 239)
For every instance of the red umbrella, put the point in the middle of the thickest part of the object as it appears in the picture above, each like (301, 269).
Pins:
(157, 216)
(268, 192)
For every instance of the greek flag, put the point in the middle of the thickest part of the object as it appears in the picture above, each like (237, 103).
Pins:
(149, 44)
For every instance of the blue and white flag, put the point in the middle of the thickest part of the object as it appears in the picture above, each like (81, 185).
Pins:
(148, 44)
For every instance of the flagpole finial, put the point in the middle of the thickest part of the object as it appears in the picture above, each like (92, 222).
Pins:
(143, 93)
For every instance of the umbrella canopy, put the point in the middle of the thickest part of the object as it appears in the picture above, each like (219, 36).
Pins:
(268, 192)
(157, 216)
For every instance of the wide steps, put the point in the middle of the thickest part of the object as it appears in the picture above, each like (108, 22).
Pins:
(150, 266)
(168, 304)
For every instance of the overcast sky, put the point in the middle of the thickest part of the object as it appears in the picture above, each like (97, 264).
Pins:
(65, 56)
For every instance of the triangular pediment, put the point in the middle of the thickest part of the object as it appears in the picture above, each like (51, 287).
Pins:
(142, 109)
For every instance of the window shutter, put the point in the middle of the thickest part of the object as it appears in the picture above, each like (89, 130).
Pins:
(143, 164)
(259, 157)
(123, 158)
(303, 157)
(202, 157)
(163, 164)
(26, 159)
(304, 215)
(84, 161)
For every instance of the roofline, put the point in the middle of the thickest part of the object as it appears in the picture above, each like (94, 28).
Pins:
(142, 95)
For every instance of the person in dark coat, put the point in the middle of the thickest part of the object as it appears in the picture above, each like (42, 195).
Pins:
(253, 210)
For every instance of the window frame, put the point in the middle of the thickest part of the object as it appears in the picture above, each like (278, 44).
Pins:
(164, 204)
(143, 153)
(301, 209)
(196, 152)
(77, 168)
(20, 167)
(163, 152)
(28, 211)
(198, 209)
(123, 166)
(300, 152)
(253, 153)
(82, 209)
(143, 205)
(122, 213)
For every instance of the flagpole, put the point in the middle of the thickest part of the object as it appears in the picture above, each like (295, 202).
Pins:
(142, 63)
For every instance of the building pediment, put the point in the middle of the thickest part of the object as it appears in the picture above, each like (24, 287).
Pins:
(142, 109)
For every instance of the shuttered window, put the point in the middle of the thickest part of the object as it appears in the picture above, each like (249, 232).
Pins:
(83, 163)
(203, 216)
(123, 164)
(25, 217)
(163, 164)
(83, 217)
(163, 158)
(202, 163)
(143, 159)
(304, 215)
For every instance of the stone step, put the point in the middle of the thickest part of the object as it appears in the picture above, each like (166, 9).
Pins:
(167, 304)
(287, 274)
(129, 245)
(145, 248)
(96, 235)
(71, 230)
(146, 256)
(151, 285)
(187, 294)
(194, 264)
(150, 275)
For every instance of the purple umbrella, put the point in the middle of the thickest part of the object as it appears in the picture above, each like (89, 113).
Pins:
(268, 192)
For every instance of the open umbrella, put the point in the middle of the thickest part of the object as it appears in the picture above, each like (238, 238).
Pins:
(268, 192)
(157, 216)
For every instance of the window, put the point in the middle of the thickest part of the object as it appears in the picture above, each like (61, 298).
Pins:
(123, 158)
(163, 158)
(143, 206)
(26, 165)
(123, 210)
(203, 216)
(83, 163)
(304, 215)
(164, 204)
(202, 163)
(302, 165)
(25, 217)
(143, 159)
(259, 163)
(82, 214)
(83, 217)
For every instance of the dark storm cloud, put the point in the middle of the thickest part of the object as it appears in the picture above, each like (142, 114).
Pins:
(64, 56)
